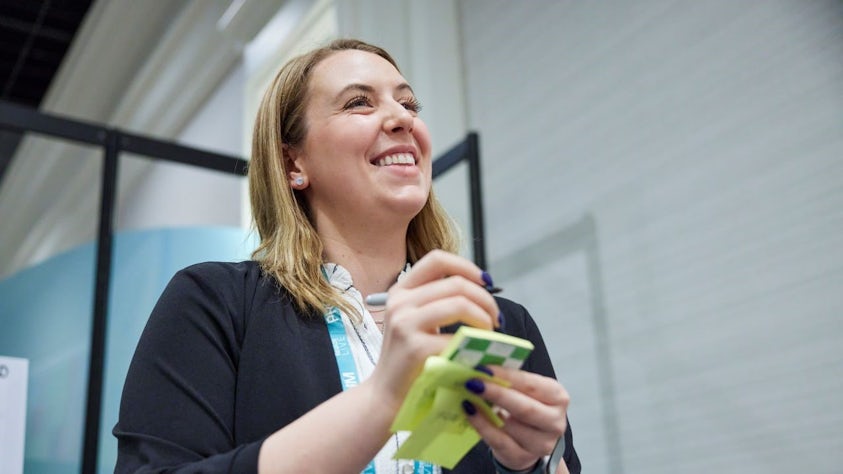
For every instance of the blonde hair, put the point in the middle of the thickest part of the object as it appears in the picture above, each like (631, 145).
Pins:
(290, 250)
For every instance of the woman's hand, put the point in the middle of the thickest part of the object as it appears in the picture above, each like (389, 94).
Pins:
(441, 289)
(534, 410)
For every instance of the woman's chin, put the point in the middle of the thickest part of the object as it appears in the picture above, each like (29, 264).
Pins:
(408, 206)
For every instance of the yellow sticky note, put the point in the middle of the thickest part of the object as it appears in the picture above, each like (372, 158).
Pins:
(439, 373)
(445, 436)
(432, 410)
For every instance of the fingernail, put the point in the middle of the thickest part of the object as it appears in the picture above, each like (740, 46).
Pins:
(468, 408)
(475, 386)
(485, 370)
(487, 279)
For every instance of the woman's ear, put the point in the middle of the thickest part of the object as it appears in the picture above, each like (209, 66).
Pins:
(296, 175)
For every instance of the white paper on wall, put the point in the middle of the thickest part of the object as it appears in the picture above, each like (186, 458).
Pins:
(13, 380)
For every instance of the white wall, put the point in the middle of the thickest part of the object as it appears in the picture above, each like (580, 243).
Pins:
(175, 195)
(664, 190)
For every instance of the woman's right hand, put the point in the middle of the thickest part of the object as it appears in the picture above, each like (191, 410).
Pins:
(441, 289)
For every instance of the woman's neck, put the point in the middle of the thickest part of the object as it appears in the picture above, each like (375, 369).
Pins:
(374, 260)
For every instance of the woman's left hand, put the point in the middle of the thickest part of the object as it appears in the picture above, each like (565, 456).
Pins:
(534, 410)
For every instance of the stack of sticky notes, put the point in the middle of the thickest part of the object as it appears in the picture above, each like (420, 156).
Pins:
(432, 411)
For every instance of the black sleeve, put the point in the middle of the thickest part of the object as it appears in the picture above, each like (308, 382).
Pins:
(176, 412)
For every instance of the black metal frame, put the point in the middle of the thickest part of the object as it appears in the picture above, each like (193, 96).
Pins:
(469, 150)
(24, 119)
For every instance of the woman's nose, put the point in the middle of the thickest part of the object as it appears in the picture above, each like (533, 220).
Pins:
(398, 119)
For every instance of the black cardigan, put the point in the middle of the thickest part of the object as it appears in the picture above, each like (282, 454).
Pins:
(225, 360)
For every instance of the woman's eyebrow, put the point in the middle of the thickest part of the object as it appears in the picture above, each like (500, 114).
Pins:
(371, 90)
(356, 87)
(404, 87)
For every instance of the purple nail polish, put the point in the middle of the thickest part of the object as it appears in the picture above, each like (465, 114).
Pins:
(475, 386)
(487, 279)
(468, 408)
(485, 370)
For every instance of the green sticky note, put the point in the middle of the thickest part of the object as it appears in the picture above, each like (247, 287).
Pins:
(472, 347)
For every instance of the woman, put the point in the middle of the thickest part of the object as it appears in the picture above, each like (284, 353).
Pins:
(236, 372)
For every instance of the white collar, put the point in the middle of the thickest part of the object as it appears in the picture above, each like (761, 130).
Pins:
(340, 278)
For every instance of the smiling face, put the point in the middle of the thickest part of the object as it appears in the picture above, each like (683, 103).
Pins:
(366, 154)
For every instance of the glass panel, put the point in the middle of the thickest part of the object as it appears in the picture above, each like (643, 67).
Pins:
(49, 204)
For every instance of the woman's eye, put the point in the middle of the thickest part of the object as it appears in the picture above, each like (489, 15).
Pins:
(412, 104)
(359, 101)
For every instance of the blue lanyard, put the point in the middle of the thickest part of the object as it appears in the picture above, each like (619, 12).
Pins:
(349, 377)
(342, 351)
(422, 467)
(345, 361)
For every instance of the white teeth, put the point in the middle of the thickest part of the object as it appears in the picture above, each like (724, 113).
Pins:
(396, 159)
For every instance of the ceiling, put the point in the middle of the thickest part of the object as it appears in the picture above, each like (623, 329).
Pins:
(34, 38)
(145, 67)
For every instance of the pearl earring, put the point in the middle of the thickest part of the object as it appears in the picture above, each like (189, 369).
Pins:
(299, 181)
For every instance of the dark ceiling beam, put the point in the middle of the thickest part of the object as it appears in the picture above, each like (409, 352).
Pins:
(25, 27)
